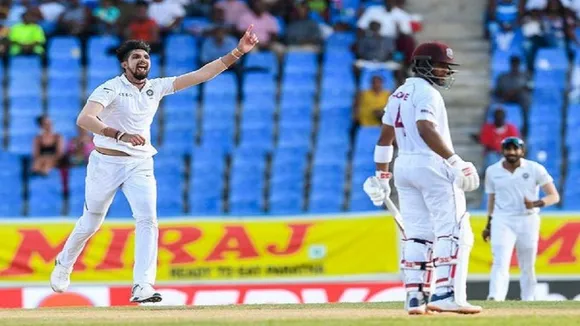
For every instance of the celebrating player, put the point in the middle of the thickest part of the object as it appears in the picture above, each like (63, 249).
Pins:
(430, 180)
(513, 186)
(119, 113)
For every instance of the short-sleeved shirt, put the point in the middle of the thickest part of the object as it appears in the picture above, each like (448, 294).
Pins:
(233, 10)
(130, 110)
(27, 34)
(142, 30)
(166, 12)
(511, 189)
(264, 25)
(413, 101)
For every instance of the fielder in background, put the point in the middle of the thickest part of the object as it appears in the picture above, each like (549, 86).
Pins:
(430, 179)
(513, 188)
(120, 113)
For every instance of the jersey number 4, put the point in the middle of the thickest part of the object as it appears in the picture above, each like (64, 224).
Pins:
(399, 121)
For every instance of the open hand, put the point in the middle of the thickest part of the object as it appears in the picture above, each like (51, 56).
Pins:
(248, 41)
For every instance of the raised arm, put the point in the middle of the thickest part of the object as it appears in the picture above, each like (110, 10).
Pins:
(216, 67)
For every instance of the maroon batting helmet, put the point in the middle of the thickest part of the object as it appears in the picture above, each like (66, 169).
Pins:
(425, 59)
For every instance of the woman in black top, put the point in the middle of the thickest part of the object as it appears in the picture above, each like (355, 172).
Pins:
(48, 148)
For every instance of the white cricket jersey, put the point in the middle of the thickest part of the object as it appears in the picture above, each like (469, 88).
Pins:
(130, 110)
(511, 188)
(416, 100)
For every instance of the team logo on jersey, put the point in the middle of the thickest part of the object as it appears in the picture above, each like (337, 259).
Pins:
(526, 176)
(449, 53)
(149, 92)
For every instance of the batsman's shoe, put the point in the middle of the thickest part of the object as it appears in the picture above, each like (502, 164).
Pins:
(142, 293)
(416, 303)
(60, 277)
(446, 303)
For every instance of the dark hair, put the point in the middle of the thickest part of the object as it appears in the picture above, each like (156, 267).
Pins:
(515, 59)
(141, 3)
(125, 49)
(40, 119)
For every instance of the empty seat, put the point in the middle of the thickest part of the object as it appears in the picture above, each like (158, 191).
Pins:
(301, 63)
(222, 85)
(262, 61)
(259, 84)
(99, 46)
(64, 48)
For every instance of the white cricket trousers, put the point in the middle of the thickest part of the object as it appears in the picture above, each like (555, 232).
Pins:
(433, 209)
(523, 232)
(134, 176)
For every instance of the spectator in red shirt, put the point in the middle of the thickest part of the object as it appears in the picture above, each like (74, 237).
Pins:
(142, 27)
(492, 133)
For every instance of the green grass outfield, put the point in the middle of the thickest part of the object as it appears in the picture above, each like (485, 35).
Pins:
(494, 314)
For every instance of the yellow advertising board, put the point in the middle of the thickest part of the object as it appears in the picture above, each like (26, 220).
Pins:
(210, 249)
(558, 247)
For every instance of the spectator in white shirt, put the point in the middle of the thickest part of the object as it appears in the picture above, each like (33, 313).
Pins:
(167, 14)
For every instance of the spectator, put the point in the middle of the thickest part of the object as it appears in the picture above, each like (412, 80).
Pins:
(265, 25)
(405, 41)
(4, 38)
(233, 10)
(513, 86)
(27, 38)
(168, 15)
(492, 133)
(50, 10)
(16, 12)
(370, 104)
(75, 20)
(48, 148)
(107, 15)
(507, 39)
(391, 22)
(217, 45)
(144, 28)
(303, 31)
(372, 46)
(79, 148)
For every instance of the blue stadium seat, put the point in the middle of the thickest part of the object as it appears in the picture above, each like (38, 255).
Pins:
(178, 142)
(299, 85)
(300, 63)
(64, 88)
(64, 69)
(345, 85)
(285, 202)
(155, 71)
(218, 136)
(325, 203)
(21, 143)
(366, 138)
(26, 68)
(340, 60)
(551, 59)
(339, 41)
(167, 162)
(206, 183)
(68, 106)
(259, 84)
(186, 44)
(104, 68)
(259, 137)
(11, 207)
(169, 192)
(65, 126)
(120, 206)
(45, 195)
(222, 85)
(30, 106)
(64, 48)
(263, 60)
(179, 102)
(553, 79)
(98, 46)
(178, 68)
(24, 88)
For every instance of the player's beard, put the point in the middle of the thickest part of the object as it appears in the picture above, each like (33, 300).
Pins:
(512, 159)
(140, 74)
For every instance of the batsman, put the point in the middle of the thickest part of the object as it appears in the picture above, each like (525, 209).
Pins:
(430, 179)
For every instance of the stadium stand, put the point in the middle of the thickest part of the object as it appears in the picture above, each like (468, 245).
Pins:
(273, 137)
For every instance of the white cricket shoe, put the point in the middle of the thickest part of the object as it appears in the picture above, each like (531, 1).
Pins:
(416, 303)
(142, 293)
(446, 303)
(60, 277)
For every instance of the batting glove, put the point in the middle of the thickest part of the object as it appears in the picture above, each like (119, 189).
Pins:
(378, 187)
(466, 176)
